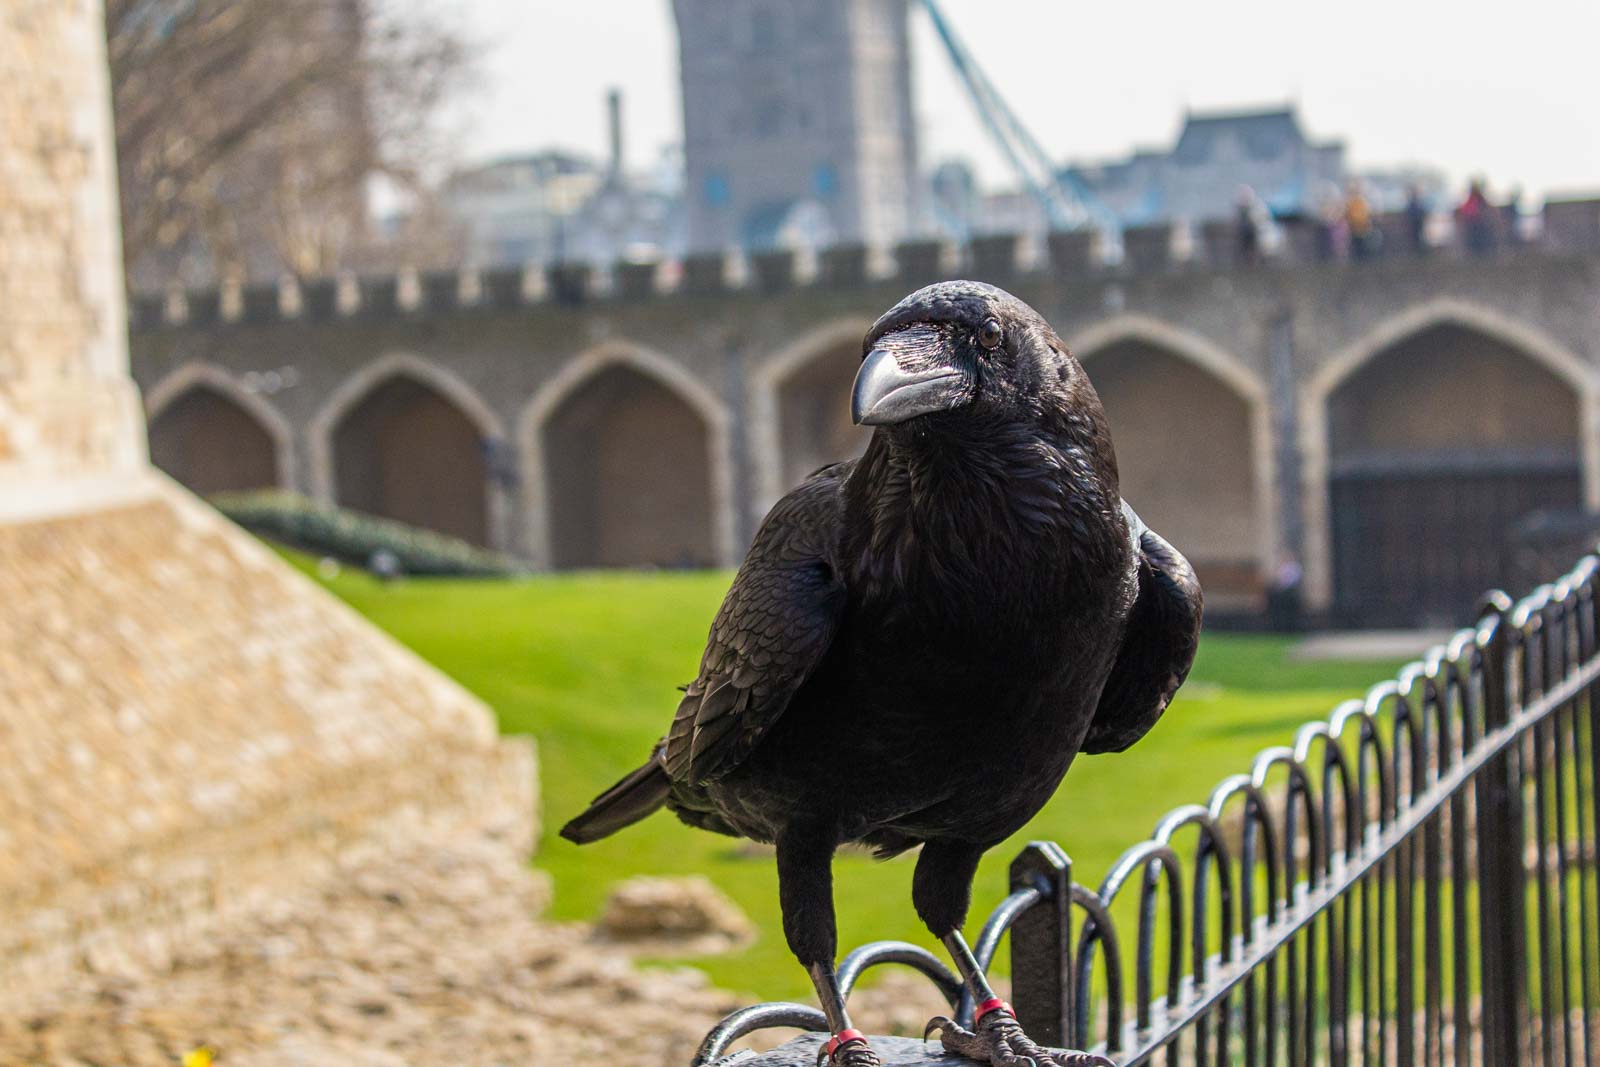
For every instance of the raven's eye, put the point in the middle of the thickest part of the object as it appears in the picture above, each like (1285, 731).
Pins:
(990, 334)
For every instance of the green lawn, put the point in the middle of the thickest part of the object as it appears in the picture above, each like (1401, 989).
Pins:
(587, 664)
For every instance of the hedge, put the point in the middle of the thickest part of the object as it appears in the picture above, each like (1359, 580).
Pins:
(353, 537)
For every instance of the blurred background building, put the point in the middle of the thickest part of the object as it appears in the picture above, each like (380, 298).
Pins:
(797, 122)
(556, 207)
(1199, 177)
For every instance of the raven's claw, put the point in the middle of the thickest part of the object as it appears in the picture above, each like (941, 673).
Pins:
(1000, 1042)
(848, 1054)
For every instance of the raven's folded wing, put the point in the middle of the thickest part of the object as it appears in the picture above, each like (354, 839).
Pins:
(1157, 650)
(772, 630)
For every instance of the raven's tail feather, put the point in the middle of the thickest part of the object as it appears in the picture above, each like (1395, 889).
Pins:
(624, 804)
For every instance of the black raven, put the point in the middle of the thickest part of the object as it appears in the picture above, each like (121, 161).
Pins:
(920, 641)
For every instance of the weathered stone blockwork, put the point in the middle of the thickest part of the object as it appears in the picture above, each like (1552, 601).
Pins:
(192, 728)
(65, 404)
(191, 731)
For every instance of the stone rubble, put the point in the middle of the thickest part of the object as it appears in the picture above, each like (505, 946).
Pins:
(435, 959)
(672, 917)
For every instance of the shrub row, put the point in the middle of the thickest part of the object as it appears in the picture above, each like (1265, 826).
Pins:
(352, 537)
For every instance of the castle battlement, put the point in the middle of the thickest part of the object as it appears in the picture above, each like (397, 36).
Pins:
(1569, 226)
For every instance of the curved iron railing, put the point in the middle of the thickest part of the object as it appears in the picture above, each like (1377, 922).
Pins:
(1413, 881)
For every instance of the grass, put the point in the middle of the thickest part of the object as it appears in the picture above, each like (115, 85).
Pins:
(588, 663)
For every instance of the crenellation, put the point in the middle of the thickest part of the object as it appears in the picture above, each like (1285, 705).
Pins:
(346, 293)
(922, 261)
(774, 270)
(704, 274)
(202, 307)
(1218, 243)
(408, 295)
(441, 290)
(502, 287)
(1066, 257)
(470, 289)
(995, 256)
(379, 296)
(569, 283)
(1074, 253)
(636, 280)
(230, 299)
(1147, 249)
(174, 308)
(1572, 225)
(148, 310)
(843, 266)
(261, 303)
(290, 302)
(533, 284)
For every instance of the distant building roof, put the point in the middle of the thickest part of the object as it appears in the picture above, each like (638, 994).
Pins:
(521, 170)
(1264, 134)
(1215, 153)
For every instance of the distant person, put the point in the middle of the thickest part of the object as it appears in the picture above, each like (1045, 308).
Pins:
(1330, 225)
(1364, 236)
(1247, 227)
(1475, 217)
(1284, 606)
(1416, 220)
(1511, 216)
(385, 565)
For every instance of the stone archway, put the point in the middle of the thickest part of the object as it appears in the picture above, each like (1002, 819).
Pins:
(212, 435)
(627, 463)
(800, 400)
(1437, 446)
(211, 444)
(406, 452)
(1191, 429)
(384, 462)
(814, 424)
(1379, 411)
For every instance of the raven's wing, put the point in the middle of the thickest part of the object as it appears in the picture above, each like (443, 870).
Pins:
(772, 630)
(1157, 649)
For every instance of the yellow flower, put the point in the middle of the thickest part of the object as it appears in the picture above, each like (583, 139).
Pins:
(199, 1057)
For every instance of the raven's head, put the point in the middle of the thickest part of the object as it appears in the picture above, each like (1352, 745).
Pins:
(959, 348)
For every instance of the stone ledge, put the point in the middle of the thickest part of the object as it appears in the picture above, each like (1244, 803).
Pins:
(894, 1051)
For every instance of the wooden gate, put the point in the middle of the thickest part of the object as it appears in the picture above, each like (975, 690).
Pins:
(1416, 540)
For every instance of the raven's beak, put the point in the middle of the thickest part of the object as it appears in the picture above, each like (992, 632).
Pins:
(907, 374)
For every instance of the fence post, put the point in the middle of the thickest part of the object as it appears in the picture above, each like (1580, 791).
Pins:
(1502, 910)
(1041, 945)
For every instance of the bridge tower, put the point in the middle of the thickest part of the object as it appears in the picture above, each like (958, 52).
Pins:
(797, 121)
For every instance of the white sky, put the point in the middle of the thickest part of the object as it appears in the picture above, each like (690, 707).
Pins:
(1509, 90)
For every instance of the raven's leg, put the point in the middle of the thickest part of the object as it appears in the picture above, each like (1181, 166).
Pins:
(941, 889)
(805, 893)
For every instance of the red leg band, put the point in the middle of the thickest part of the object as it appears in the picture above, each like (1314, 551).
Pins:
(843, 1037)
(993, 1004)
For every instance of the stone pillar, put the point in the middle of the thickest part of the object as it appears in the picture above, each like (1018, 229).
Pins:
(69, 415)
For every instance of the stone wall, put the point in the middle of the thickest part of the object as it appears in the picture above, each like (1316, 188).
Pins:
(191, 729)
(760, 367)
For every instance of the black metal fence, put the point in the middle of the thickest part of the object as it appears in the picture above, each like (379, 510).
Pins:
(1413, 882)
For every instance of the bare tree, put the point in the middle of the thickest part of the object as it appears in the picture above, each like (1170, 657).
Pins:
(248, 130)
